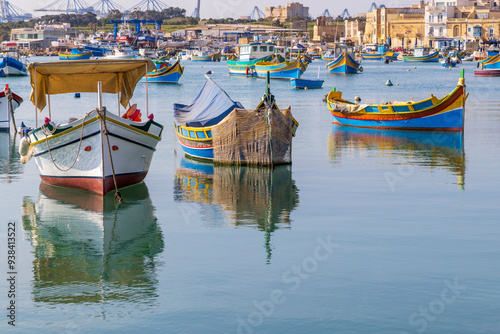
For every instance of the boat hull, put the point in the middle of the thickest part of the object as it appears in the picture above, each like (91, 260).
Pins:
(81, 56)
(196, 142)
(12, 67)
(284, 70)
(165, 74)
(306, 84)
(371, 56)
(244, 67)
(5, 110)
(487, 73)
(344, 64)
(433, 57)
(446, 114)
(449, 121)
(77, 159)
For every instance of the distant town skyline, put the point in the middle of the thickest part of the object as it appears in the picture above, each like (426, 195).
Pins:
(218, 9)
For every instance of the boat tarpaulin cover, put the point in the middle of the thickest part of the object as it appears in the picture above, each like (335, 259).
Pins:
(74, 76)
(209, 107)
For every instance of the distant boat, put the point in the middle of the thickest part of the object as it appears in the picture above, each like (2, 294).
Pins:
(489, 67)
(216, 128)
(7, 106)
(344, 62)
(422, 55)
(445, 114)
(306, 83)
(119, 53)
(75, 55)
(252, 53)
(12, 64)
(205, 56)
(165, 74)
(281, 69)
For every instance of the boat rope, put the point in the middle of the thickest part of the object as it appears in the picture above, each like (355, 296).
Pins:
(47, 132)
(102, 114)
(8, 94)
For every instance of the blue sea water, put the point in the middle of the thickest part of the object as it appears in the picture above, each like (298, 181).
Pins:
(366, 232)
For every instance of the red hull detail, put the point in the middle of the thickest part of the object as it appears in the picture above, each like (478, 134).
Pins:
(95, 185)
(487, 73)
(400, 127)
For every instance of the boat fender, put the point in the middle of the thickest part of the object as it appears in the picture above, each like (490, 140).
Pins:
(360, 69)
(24, 145)
(357, 98)
(247, 70)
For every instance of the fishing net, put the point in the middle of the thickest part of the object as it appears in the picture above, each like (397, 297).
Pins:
(250, 137)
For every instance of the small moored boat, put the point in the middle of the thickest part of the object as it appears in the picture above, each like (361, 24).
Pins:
(306, 83)
(9, 102)
(165, 73)
(445, 114)
(216, 128)
(102, 151)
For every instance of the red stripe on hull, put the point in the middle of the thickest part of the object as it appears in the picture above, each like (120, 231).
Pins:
(95, 185)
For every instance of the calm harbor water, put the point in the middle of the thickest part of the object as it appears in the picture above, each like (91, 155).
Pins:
(366, 232)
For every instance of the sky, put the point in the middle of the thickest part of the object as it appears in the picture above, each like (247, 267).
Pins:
(228, 8)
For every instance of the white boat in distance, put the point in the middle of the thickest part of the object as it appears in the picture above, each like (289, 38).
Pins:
(102, 150)
(7, 106)
(120, 53)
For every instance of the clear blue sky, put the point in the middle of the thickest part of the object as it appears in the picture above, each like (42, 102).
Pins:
(231, 8)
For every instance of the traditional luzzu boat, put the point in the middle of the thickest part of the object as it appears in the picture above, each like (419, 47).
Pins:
(165, 73)
(75, 55)
(8, 103)
(281, 69)
(250, 54)
(206, 56)
(490, 67)
(102, 150)
(371, 55)
(344, 62)
(422, 55)
(390, 55)
(216, 128)
(445, 114)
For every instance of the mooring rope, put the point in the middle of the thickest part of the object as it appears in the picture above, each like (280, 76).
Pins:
(102, 114)
(48, 132)
(8, 95)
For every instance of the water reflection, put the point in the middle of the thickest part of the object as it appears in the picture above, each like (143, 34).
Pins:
(261, 198)
(10, 166)
(88, 252)
(422, 148)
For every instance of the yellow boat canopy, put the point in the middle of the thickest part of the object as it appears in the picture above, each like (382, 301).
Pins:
(74, 76)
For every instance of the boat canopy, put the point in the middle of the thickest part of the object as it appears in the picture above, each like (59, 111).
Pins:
(76, 76)
(210, 107)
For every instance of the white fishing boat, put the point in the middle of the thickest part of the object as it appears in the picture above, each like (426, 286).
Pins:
(121, 53)
(102, 150)
(8, 103)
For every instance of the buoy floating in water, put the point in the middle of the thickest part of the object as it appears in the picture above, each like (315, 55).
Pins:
(357, 98)
(209, 72)
(388, 83)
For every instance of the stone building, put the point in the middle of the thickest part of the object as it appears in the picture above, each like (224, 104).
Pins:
(283, 13)
(399, 27)
(354, 30)
(328, 30)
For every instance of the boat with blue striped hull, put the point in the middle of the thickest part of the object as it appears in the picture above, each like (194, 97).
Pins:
(445, 114)
(165, 73)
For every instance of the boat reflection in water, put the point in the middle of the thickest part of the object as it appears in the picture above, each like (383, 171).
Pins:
(423, 148)
(10, 165)
(86, 251)
(257, 197)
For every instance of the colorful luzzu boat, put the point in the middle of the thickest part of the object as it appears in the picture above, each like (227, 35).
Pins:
(371, 55)
(281, 70)
(344, 64)
(75, 55)
(422, 55)
(165, 73)
(245, 67)
(445, 114)
(490, 67)
(389, 55)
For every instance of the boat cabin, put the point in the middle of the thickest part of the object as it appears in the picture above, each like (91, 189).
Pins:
(258, 50)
